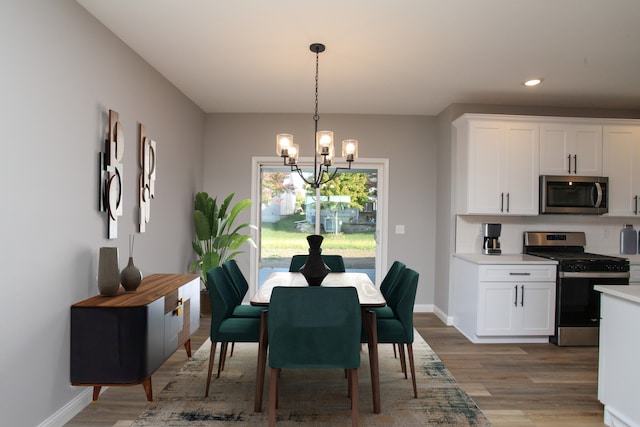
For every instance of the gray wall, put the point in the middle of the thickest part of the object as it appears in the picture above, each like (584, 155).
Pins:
(61, 72)
(409, 142)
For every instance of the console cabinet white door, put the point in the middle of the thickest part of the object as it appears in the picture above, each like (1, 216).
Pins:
(621, 163)
(516, 308)
(570, 149)
(499, 167)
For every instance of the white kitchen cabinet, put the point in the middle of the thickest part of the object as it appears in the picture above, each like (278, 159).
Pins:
(634, 274)
(621, 163)
(570, 149)
(497, 163)
(504, 302)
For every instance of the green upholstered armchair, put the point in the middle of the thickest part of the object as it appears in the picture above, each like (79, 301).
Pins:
(334, 262)
(224, 327)
(314, 327)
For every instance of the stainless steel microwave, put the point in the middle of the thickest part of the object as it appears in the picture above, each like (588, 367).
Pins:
(584, 195)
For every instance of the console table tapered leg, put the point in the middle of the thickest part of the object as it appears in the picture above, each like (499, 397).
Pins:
(148, 389)
(187, 347)
(96, 393)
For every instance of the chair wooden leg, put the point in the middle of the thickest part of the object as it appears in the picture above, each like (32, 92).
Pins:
(212, 355)
(395, 355)
(273, 396)
(353, 386)
(403, 360)
(413, 369)
(233, 345)
(222, 357)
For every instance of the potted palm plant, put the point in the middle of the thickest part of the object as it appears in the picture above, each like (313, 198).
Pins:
(217, 238)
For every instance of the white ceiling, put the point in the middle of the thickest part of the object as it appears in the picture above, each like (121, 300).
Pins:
(384, 56)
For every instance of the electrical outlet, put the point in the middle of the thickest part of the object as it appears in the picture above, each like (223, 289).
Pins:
(399, 229)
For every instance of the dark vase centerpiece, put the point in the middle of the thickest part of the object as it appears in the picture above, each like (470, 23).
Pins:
(131, 276)
(314, 270)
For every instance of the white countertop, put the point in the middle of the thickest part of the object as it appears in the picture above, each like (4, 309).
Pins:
(633, 259)
(505, 259)
(629, 293)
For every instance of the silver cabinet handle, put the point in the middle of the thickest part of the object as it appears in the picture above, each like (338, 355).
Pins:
(501, 202)
(515, 301)
(575, 163)
(508, 197)
(519, 273)
(522, 296)
(569, 163)
(635, 207)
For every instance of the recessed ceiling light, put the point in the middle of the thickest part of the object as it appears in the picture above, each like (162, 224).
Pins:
(532, 82)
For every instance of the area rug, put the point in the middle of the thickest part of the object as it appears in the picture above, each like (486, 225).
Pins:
(313, 397)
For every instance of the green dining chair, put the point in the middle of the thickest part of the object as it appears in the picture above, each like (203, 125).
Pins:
(399, 330)
(387, 288)
(390, 292)
(314, 327)
(334, 262)
(224, 327)
(240, 287)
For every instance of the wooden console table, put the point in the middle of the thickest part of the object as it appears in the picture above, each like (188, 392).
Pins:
(122, 340)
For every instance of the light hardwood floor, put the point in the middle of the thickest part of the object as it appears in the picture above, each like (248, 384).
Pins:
(514, 385)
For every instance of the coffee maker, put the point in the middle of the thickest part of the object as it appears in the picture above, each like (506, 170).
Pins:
(491, 236)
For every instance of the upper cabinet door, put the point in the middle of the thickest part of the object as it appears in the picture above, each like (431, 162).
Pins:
(621, 163)
(497, 167)
(570, 149)
(523, 147)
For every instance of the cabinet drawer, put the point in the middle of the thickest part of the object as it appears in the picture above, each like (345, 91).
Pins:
(519, 273)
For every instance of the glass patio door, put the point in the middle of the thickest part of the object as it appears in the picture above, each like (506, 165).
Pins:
(345, 210)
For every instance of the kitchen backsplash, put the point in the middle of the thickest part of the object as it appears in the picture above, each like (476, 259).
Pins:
(602, 232)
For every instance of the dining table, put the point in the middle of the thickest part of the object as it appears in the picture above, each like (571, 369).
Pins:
(368, 295)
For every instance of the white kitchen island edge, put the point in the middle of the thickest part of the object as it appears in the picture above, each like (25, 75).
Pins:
(618, 368)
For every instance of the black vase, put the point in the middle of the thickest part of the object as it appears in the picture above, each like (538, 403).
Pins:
(314, 270)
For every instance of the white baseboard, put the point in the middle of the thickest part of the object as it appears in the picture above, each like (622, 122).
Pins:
(423, 308)
(70, 410)
(430, 308)
(447, 320)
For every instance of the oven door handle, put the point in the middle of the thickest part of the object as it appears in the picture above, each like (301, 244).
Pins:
(594, 275)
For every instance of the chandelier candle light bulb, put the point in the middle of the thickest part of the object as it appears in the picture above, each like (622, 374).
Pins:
(283, 143)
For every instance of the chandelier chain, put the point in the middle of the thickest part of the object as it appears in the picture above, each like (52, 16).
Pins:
(315, 116)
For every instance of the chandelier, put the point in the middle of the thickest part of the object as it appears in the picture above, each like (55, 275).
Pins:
(325, 152)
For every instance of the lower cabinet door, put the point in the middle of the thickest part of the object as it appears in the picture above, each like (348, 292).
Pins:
(516, 309)
(537, 304)
(496, 309)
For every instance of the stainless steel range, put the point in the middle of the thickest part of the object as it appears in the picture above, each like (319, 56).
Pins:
(577, 304)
